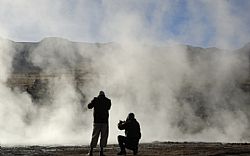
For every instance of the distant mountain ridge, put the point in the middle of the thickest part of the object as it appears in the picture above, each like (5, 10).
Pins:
(22, 60)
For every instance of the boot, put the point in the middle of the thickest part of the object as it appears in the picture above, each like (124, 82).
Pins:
(101, 152)
(122, 152)
(135, 151)
(90, 152)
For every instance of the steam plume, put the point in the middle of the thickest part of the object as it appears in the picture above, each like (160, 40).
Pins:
(177, 92)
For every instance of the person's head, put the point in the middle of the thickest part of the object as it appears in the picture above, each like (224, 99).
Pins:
(131, 116)
(101, 93)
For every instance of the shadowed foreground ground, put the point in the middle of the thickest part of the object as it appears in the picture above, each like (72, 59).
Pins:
(147, 149)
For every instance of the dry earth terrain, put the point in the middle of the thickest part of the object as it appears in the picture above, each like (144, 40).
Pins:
(145, 149)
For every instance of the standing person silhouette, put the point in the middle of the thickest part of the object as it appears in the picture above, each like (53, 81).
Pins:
(101, 105)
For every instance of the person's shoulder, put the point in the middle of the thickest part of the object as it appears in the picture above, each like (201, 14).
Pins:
(129, 121)
(135, 121)
(107, 99)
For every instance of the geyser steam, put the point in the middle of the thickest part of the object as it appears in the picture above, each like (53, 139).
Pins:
(177, 92)
(183, 93)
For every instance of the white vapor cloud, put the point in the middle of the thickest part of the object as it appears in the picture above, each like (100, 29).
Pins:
(144, 70)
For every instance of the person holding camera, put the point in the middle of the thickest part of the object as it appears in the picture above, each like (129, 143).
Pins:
(132, 134)
(101, 105)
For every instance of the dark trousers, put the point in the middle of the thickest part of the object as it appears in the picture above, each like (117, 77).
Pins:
(100, 128)
(125, 142)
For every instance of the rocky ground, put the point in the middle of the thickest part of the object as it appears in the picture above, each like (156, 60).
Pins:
(146, 149)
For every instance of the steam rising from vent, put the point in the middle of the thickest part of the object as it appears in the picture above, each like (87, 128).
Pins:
(186, 93)
(177, 92)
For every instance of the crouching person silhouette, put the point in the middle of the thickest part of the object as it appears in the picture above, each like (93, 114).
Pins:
(132, 132)
(101, 105)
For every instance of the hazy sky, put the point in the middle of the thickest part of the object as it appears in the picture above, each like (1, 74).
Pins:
(197, 22)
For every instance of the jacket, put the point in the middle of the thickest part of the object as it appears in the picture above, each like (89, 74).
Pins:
(132, 128)
(101, 105)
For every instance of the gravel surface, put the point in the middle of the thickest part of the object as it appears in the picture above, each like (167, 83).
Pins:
(145, 149)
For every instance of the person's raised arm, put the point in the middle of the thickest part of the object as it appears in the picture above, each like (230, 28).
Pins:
(91, 104)
(122, 125)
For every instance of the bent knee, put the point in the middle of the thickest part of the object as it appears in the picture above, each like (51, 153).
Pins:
(119, 137)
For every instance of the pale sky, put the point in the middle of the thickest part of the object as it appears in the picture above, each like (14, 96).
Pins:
(222, 23)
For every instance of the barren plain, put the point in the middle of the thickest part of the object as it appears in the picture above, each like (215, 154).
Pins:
(145, 149)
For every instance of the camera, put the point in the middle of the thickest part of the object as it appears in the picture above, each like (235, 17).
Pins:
(120, 122)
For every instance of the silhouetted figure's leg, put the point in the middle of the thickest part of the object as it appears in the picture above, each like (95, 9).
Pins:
(135, 150)
(135, 146)
(122, 141)
(132, 144)
(95, 136)
(104, 137)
